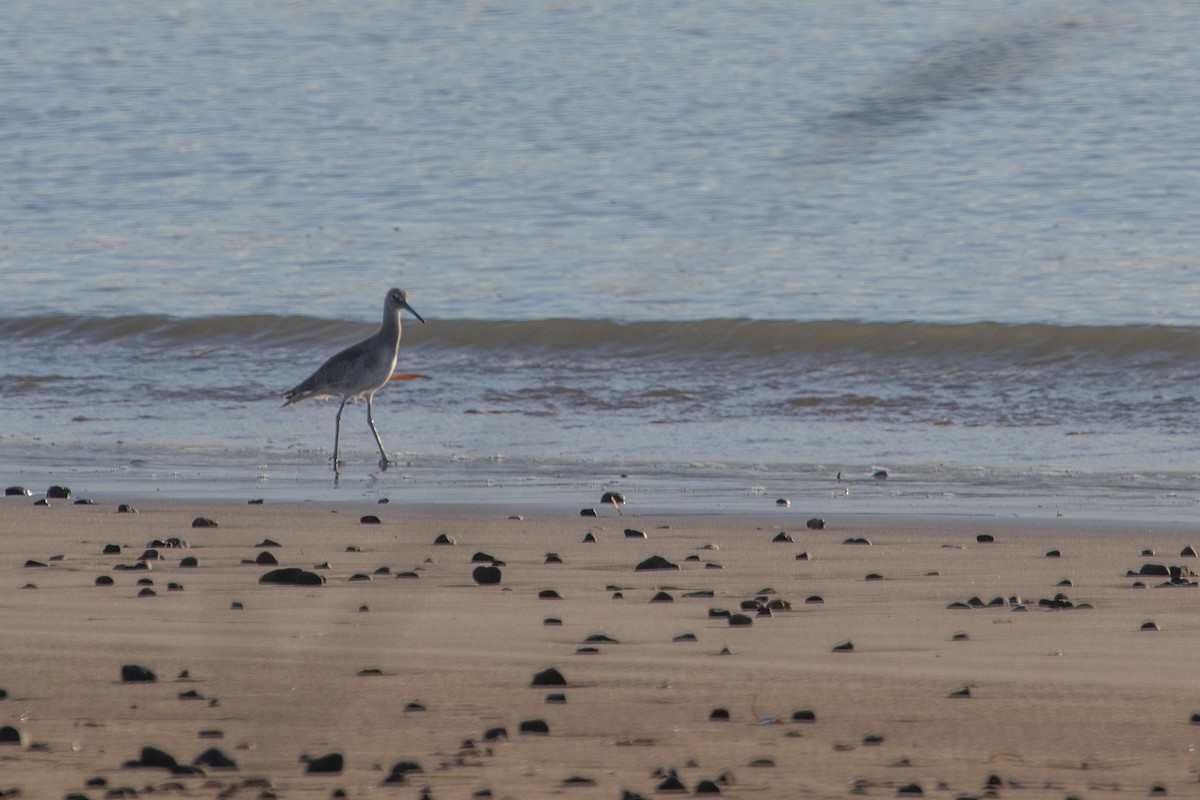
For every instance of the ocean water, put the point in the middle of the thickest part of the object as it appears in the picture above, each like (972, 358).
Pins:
(709, 253)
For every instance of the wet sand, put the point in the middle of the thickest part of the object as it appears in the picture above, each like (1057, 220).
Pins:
(1068, 701)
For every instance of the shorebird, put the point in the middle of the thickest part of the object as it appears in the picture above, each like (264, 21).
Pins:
(360, 370)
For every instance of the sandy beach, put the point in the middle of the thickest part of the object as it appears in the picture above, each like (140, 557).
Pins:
(402, 656)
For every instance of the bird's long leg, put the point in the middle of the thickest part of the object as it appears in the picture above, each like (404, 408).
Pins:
(383, 459)
(337, 434)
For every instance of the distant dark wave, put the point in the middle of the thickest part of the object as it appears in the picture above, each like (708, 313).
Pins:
(718, 339)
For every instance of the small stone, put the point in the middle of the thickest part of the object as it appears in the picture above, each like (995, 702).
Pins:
(133, 673)
(17, 491)
(268, 543)
(1150, 625)
(959, 637)
(707, 787)
(553, 558)
(549, 677)
(634, 533)
(816, 524)
(189, 562)
(589, 537)
(215, 759)
(552, 621)
(125, 508)
(256, 501)
(719, 714)
(856, 540)
(104, 580)
(804, 715)
(9, 735)
(1188, 552)
(963, 692)
(534, 726)
(292, 576)
(662, 597)
(783, 537)
(740, 620)
(443, 539)
(495, 734)
(204, 522)
(655, 562)
(587, 512)
(369, 519)
(58, 493)
(985, 538)
(844, 647)
(549, 594)
(684, 637)
(911, 790)
(330, 763)
(556, 697)
(783, 502)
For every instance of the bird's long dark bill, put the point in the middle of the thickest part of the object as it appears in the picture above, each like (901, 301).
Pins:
(413, 311)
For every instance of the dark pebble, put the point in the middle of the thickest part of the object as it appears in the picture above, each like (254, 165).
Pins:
(495, 734)
(856, 540)
(552, 621)
(32, 563)
(147, 592)
(1150, 625)
(190, 694)
(1195, 719)
(42, 502)
(684, 637)
(443, 539)
(534, 726)
(556, 697)
(257, 501)
(587, 651)
(359, 576)
(802, 556)
(783, 537)
(9, 735)
(1188, 552)
(816, 524)
(783, 502)
(911, 789)
(873, 576)
(385, 570)
(549, 677)
(407, 574)
(671, 784)
(844, 647)
(111, 549)
(707, 787)
(353, 548)
(17, 491)
(174, 587)
(292, 576)
(1053, 554)
(189, 562)
(699, 593)
(655, 562)
(740, 620)
(58, 493)
(369, 672)
(719, 714)
(985, 538)
(268, 543)
(872, 740)
(481, 557)
(369, 519)
(332, 762)
(600, 638)
(133, 673)
(587, 512)
(1154, 569)
(959, 637)
(553, 558)
(589, 537)
(718, 612)
(153, 758)
(204, 522)
(211, 733)
(880, 474)
(150, 555)
(549, 594)
(633, 533)
(662, 597)
(125, 508)
(963, 692)
(104, 580)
